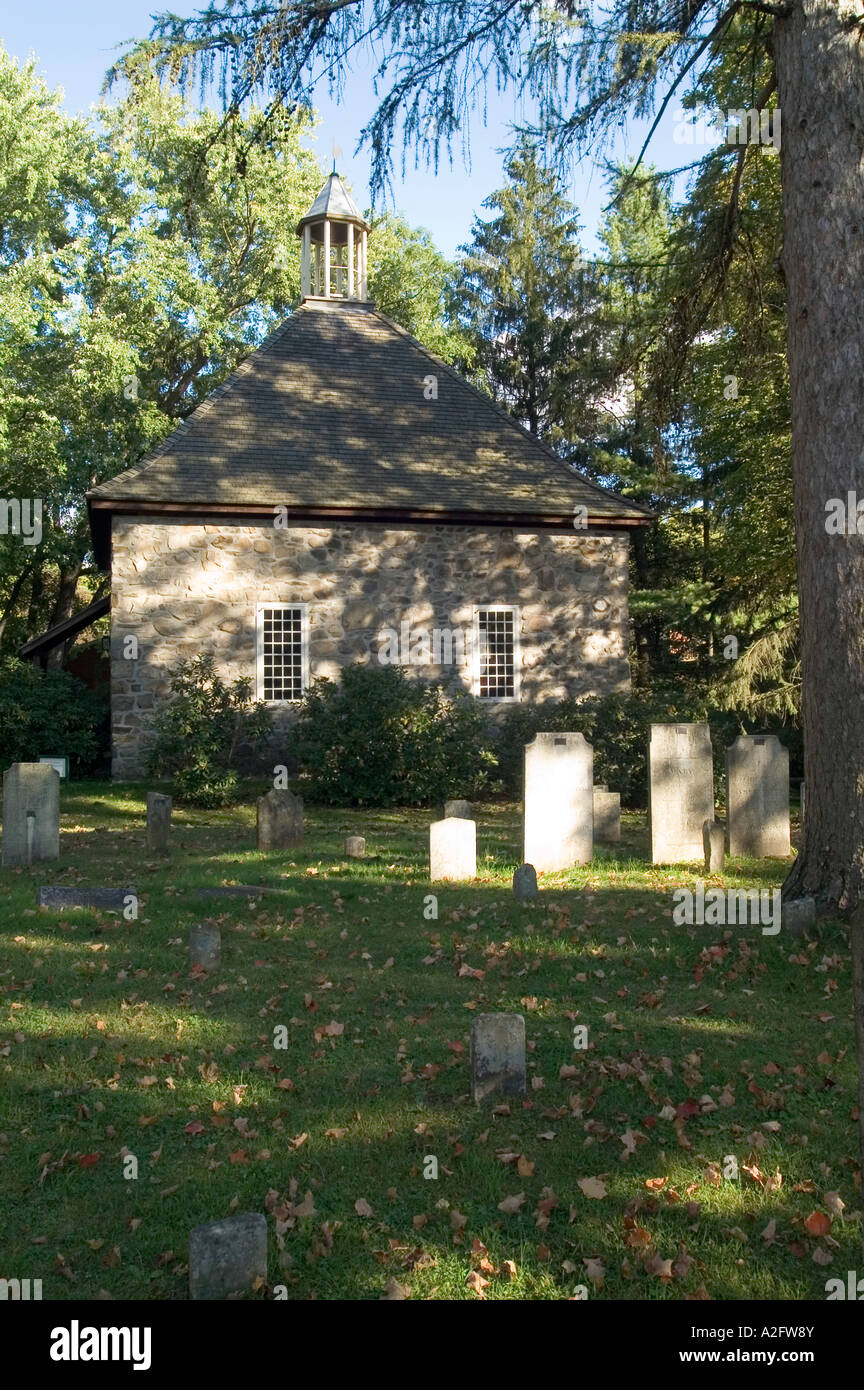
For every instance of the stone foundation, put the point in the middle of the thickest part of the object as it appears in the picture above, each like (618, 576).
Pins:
(182, 589)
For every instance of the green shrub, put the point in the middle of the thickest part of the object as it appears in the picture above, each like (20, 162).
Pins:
(201, 732)
(379, 738)
(46, 713)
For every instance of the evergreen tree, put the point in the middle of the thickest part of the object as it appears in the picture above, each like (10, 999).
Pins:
(520, 299)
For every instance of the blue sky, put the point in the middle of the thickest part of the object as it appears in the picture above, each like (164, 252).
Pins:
(76, 42)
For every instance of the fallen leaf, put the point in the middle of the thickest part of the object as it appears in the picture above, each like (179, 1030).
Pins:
(511, 1205)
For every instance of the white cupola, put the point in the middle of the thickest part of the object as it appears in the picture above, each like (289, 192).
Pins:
(333, 246)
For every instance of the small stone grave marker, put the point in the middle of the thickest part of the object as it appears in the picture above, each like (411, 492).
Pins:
(497, 1056)
(714, 846)
(205, 947)
(104, 899)
(607, 816)
(280, 820)
(228, 1256)
(525, 883)
(453, 849)
(158, 823)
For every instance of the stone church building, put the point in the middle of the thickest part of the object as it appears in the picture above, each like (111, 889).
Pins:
(346, 496)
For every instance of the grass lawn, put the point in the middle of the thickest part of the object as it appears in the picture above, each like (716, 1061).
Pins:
(705, 1043)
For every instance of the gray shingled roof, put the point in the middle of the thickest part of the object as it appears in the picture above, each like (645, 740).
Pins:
(330, 412)
(333, 201)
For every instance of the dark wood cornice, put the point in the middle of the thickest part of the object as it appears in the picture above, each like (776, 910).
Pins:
(101, 510)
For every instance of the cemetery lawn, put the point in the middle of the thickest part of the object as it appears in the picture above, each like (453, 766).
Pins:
(706, 1044)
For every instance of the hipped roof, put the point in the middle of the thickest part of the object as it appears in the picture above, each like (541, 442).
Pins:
(329, 417)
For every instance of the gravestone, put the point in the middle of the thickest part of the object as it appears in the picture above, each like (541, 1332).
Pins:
(558, 828)
(462, 809)
(497, 1056)
(757, 797)
(237, 890)
(355, 847)
(105, 899)
(607, 816)
(205, 947)
(798, 916)
(280, 820)
(525, 882)
(681, 789)
(31, 814)
(158, 823)
(227, 1256)
(714, 846)
(453, 849)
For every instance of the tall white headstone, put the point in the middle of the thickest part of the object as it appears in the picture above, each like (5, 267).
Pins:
(757, 797)
(681, 788)
(559, 802)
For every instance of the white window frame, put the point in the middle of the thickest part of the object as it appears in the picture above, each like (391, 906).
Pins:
(259, 649)
(513, 608)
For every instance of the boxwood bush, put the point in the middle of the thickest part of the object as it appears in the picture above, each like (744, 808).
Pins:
(201, 731)
(381, 738)
(47, 713)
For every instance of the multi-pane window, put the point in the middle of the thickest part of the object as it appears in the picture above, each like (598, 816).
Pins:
(282, 648)
(496, 665)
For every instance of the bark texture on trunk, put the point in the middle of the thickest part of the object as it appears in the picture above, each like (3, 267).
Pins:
(819, 58)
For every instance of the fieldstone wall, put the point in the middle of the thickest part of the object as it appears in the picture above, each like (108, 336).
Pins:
(185, 588)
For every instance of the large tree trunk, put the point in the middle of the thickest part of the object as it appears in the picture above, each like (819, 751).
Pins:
(64, 604)
(820, 77)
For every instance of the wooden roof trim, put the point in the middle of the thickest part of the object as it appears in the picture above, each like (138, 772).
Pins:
(139, 507)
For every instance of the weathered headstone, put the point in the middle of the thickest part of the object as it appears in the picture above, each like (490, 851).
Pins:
(607, 816)
(205, 947)
(798, 916)
(681, 787)
(559, 802)
(355, 847)
(158, 823)
(525, 882)
(461, 809)
(280, 820)
(453, 849)
(757, 797)
(497, 1056)
(236, 890)
(228, 1256)
(31, 814)
(714, 846)
(105, 899)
